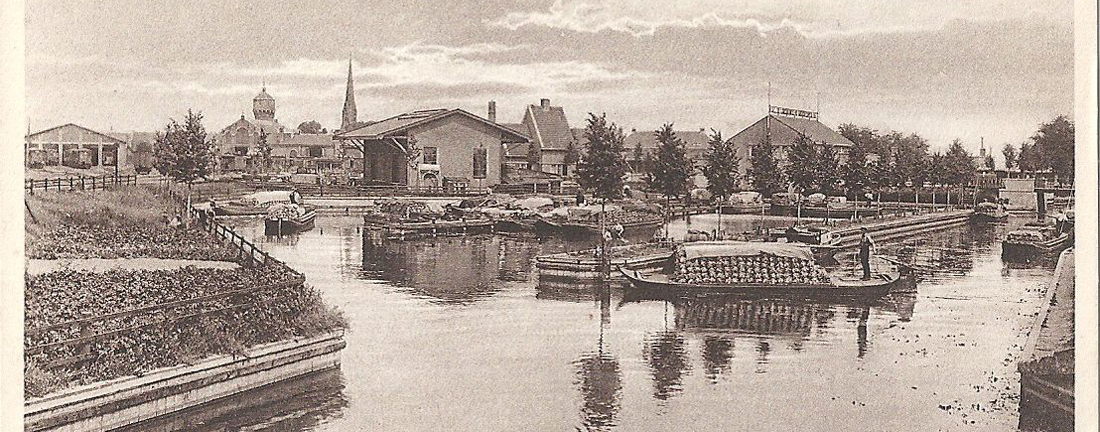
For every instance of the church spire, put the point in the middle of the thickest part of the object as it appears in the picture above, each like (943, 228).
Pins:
(349, 114)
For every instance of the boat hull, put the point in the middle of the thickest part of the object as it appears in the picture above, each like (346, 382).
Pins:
(289, 226)
(585, 229)
(825, 212)
(1022, 251)
(867, 289)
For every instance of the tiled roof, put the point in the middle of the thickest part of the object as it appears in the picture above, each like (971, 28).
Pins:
(548, 126)
(402, 122)
(692, 139)
(813, 129)
(263, 95)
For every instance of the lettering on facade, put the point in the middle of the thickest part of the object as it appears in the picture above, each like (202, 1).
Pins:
(791, 112)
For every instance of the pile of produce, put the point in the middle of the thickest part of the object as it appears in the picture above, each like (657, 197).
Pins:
(747, 269)
(283, 308)
(1027, 236)
(284, 211)
(405, 210)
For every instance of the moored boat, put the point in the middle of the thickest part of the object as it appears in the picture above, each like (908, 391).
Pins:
(986, 212)
(1034, 240)
(288, 219)
(764, 269)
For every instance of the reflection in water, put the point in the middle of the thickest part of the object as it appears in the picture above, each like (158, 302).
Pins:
(599, 377)
(666, 353)
(299, 404)
(760, 316)
(717, 353)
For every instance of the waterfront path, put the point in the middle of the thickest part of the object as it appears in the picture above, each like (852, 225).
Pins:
(99, 265)
(1056, 330)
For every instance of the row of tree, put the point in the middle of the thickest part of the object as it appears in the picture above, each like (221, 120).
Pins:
(876, 161)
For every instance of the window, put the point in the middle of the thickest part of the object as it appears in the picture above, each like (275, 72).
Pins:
(481, 162)
(431, 155)
(315, 151)
(240, 150)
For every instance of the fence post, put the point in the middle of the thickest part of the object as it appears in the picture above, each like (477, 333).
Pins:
(71, 183)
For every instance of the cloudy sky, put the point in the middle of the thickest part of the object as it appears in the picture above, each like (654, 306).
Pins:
(940, 68)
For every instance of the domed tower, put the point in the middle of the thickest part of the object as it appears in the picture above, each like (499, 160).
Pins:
(263, 106)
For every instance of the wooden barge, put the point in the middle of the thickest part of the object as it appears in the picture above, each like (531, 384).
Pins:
(400, 230)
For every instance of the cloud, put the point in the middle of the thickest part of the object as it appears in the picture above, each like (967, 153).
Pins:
(810, 18)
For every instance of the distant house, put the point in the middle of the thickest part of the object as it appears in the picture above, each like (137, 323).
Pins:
(71, 145)
(238, 142)
(314, 152)
(785, 126)
(456, 148)
(550, 138)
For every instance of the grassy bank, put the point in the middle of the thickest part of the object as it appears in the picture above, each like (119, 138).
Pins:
(124, 222)
(129, 222)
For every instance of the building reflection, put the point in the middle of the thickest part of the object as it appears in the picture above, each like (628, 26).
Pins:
(454, 270)
(717, 356)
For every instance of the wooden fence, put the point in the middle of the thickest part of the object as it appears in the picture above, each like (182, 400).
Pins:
(78, 183)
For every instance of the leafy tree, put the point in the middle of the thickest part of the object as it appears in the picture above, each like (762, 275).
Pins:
(264, 148)
(602, 167)
(669, 171)
(183, 152)
(310, 127)
(960, 165)
(828, 170)
(766, 175)
(804, 158)
(861, 136)
(857, 172)
(1028, 160)
(989, 163)
(938, 168)
(1055, 143)
(721, 166)
(1010, 155)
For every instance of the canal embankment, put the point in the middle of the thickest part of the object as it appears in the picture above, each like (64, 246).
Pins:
(131, 313)
(1047, 365)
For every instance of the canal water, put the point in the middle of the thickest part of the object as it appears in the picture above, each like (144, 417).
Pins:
(458, 333)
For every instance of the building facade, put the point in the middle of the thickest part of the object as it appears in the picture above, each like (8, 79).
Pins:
(785, 126)
(73, 146)
(238, 145)
(431, 148)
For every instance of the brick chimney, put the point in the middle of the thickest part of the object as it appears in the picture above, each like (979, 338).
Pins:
(493, 111)
(544, 103)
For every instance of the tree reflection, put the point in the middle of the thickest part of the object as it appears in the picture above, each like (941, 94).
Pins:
(599, 377)
(717, 354)
(666, 353)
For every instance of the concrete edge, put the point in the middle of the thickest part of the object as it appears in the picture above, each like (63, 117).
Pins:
(123, 384)
(1037, 325)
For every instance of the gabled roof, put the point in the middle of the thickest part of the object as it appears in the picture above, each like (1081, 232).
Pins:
(402, 122)
(28, 136)
(813, 129)
(548, 126)
(692, 139)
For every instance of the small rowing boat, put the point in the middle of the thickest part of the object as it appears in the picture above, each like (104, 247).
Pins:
(879, 285)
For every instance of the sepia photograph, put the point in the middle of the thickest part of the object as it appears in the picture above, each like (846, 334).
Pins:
(550, 215)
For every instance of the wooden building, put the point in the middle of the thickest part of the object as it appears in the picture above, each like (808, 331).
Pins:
(430, 148)
(71, 145)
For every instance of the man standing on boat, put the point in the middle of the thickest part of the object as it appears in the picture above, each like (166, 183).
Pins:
(866, 245)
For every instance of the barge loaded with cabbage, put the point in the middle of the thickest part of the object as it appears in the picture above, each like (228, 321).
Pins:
(767, 269)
